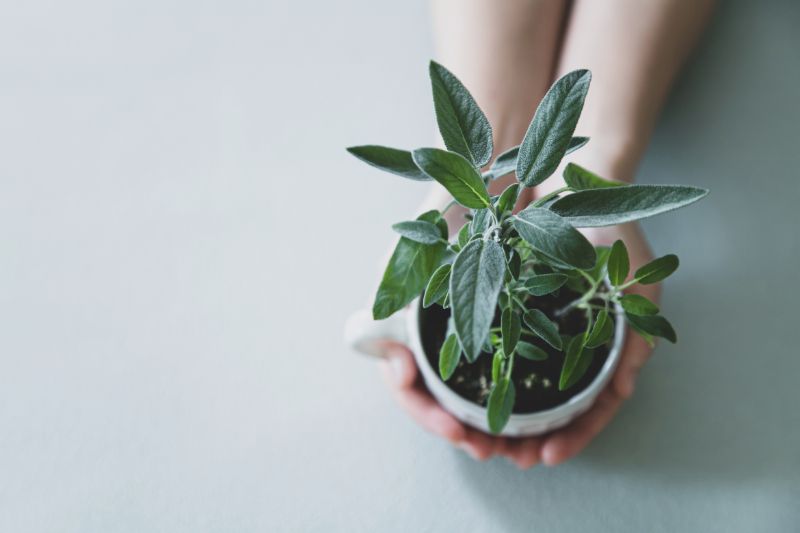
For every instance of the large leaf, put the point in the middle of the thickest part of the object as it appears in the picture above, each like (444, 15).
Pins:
(618, 263)
(550, 133)
(653, 325)
(543, 327)
(601, 331)
(418, 231)
(553, 236)
(530, 351)
(437, 286)
(449, 356)
(615, 205)
(463, 125)
(456, 174)
(475, 282)
(542, 284)
(578, 178)
(636, 304)
(409, 269)
(501, 403)
(392, 160)
(657, 269)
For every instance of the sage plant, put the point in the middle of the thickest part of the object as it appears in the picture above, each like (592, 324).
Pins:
(500, 262)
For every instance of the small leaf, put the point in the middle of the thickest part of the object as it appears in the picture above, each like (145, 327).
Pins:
(576, 363)
(515, 265)
(616, 205)
(392, 160)
(599, 269)
(480, 221)
(408, 271)
(543, 327)
(618, 263)
(550, 133)
(437, 286)
(581, 179)
(418, 231)
(504, 163)
(555, 237)
(530, 351)
(602, 330)
(463, 236)
(501, 403)
(576, 142)
(497, 364)
(510, 327)
(475, 282)
(449, 356)
(456, 174)
(463, 125)
(653, 325)
(545, 283)
(636, 304)
(657, 269)
(508, 199)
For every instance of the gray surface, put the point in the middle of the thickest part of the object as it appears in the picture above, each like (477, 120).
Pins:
(170, 354)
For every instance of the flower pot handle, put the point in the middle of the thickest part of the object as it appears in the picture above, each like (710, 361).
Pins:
(368, 336)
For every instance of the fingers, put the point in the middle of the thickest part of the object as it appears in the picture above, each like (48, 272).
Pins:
(398, 367)
(524, 453)
(567, 442)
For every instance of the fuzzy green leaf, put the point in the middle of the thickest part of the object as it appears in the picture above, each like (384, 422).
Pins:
(576, 363)
(653, 325)
(501, 403)
(553, 236)
(618, 263)
(508, 199)
(504, 163)
(480, 221)
(581, 179)
(510, 327)
(463, 125)
(550, 133)
(475, 282)
(543, 327)
(530, 351)
(636, 304)
(392, 160)
(437, 286)
(602, 330)
(408, 271)
(599, 269)
(449, 356)
(657, 269)
(545, 283)
(616, 205)
(456, 174)
(418, 231)
(576, 142)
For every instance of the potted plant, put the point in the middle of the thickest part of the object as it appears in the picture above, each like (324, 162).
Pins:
(517, 323)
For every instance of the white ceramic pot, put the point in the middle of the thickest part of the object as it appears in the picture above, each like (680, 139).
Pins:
(365, 335)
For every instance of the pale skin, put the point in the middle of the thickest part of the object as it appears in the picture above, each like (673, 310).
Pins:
(508, 53)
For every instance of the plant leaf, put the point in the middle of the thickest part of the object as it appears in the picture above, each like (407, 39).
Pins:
(392, 160)
(653, 325)
(575, 143)
(463, 236)
(581, 179)
(456, 174)
(407, 273)
(497, 364)
(545, 283)
(449, 356)
(475, 282)
(618, 263)
(553, 236)
(418, 231)
(463, 125)
(550, 133)
(480, 221)
(508, 199)
(543, 327)
(437, 286)
(501, 403)
(657, 269)
(576, 363)
(510, 327)
(601, 331)
(636, 304)
(530, 351)
(615, 205)
(599, 269)
(504, 163)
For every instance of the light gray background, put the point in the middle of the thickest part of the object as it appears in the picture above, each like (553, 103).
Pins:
(182, 236)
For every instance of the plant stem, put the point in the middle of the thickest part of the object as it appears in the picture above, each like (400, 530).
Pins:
(543, 200)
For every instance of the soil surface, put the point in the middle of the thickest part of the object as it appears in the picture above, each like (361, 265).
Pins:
(536, 382)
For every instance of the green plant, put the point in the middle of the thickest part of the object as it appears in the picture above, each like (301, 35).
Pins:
(500, 262)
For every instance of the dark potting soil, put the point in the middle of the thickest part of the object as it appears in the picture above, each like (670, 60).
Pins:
(536, 382)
